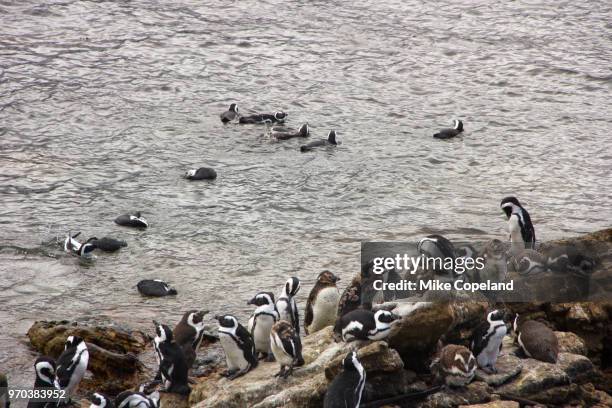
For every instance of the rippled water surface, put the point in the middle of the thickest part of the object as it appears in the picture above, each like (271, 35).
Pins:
(104, 105)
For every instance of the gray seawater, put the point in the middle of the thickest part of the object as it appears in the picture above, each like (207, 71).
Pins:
(105, 104)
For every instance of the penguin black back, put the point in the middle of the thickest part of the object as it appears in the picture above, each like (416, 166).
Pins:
(134, 220)
(155, 288)
(330, 141)
(230, 114)
(107, 244)
(346, 388)
(450, 133)
(99, 400)
(513, 208)
(172, 366)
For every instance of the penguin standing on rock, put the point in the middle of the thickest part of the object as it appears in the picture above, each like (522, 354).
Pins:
(238, 346)
(131, 399)
(536, 340)
(520, 227)
(450, 133)
(455, 364)
(132, 220)
(351, 297)
(155, 288)
(322, 304)
(173, 368)
(203, 173)
(71, 365)
(330, 141)
(44, 368)
(286, 347)
(487, 340)
(361, 324)
(163, 335)
(346, 388)
(261, 322)
(261, 118)
(286, 305)
(99, 400)
(189, 333)
(230, 114)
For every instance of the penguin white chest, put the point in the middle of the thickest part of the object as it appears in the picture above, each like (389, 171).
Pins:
(488, 356)
(279, 352)
(261, 333)
(79, 372)
(233, 353)
(324, 309)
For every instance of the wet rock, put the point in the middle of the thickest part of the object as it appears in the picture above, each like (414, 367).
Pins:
(508, 367)
(474, 393)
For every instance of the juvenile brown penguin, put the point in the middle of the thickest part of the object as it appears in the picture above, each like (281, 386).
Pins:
(536, 340)
(189, 332)
(322, 304)
(286, 347)
(455, 364)
(351, 297)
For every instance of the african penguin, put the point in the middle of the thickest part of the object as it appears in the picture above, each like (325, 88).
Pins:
(450, 133)
(173, 368)
(260, 118)
(286, 347)
(284, 133)
(569, 259)
(519, 223)
(203, 173)
(346, 388)
(230, 114)
(107, 244)
(437, 247)
(286, 304)
(330, 141)
(362, 324)
(162, 335)
(322, 304)
(131, 399)
(487, 340)
(261, 322)
(155, 288)
(536, 340)
(71, 365)
(351, 297)
(238, 346)
(99, 400)
(455, 364)
(132, 220)
(44, 368)
(71, 245)
(189, 333)
(495, 266)
(4, 398)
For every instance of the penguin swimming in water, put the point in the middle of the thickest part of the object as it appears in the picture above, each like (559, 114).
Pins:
(536, 340)
(286, 304)
(261, 322)
(155, 288)
(322, 304)
(173, 368)
(283, 133)
(519, 223)
(362, 324)
(4, 398)
(99, 400)
(455, 364)
(330, 141)
(132, 220)
(45, 368)
(107, 244)
(71, 245)
(486, 343)
(189, 333)
(230, 114)
(276, 117)
(286, 347)
(203, 173)
(238, 346)
(71, 365)
(450, 133)
(346, 388)
(131, 399)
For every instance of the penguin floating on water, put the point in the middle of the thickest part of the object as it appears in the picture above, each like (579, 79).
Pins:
(132, 220)
(286, 347)
(71, 365)
(286, 304)
(361, 324)
(189, 332)
(330, 141)
(45, 368)
(132, 399)
(173, 368)
(454, 364)
(536, 340)
(450, 133)
(322, 304)
(284, 133)
(155, 288)
(99, 400)
(487, 340)
(261, 322)
(238, 346)
(261, 118)
(346, 388)
(519, 223)
(203, 173)
(71, 245)
(107, 244)
(230, 114)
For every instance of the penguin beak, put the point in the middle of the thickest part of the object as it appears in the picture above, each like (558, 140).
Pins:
(251, 302)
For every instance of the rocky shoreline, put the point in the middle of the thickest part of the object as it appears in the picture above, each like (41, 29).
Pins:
(582, 375)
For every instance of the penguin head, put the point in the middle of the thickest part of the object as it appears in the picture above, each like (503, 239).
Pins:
(331, 137)
(458, 125)
(280, 115)
(516, 324)
(385, 316)
(494, 250)
(327, 278)
(496, 316)
(99, 400)
(304, 130)
(228, 321)
(292, 286)
(163, 332)
(73, 341)
(195, 318)
(191, 173)
(45, 369)
(508, 204)
(233, 108)
(351, 362)
(262, 298)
